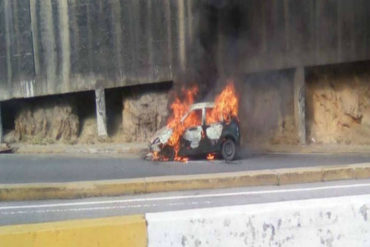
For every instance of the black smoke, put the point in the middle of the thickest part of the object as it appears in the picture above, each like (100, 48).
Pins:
(219, 25)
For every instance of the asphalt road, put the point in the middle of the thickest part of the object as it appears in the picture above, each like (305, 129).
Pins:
(16, 168)
(57, 210)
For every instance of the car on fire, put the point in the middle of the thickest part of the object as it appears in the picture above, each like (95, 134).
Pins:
(202, 137)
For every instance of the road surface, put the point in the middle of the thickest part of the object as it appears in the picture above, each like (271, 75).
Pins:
(16, 168)
(57, 210)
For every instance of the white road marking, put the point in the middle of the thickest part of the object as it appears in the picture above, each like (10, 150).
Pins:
(43, 211)
(245, 193)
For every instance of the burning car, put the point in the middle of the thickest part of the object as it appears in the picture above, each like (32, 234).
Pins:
(202, 137)
(199, 129)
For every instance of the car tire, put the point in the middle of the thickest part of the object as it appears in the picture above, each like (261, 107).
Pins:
(228, 150)
(168, 152)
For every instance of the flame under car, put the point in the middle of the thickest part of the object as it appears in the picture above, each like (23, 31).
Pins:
(203, 136)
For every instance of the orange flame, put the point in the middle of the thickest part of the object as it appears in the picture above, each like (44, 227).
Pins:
(226, 106)
(210, 157)
(155, 156)
(182, 159)
(179, 109)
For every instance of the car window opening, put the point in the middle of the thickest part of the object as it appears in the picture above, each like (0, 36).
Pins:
(213, 116)
(193, 119)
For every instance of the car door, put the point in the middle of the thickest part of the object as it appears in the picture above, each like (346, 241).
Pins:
(213, 128)
(193, 133)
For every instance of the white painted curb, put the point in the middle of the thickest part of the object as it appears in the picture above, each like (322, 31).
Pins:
(339, 221)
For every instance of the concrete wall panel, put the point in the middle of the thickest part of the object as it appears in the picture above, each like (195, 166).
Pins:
(60, 46)
(16, 55)
(77, 44)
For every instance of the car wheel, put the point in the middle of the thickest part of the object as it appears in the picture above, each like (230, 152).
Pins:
(168, 152)
(228, 150)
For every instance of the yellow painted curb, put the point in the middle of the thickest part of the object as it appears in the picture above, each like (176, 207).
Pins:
(301, 175)
(84, 189)
(115, 231)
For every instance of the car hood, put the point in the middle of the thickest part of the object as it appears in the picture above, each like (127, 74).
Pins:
(162, 135)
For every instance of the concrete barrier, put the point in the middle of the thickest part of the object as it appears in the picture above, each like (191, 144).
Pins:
(341, 221)
(116, 231)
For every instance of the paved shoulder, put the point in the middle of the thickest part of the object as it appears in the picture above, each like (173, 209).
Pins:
(53, 169)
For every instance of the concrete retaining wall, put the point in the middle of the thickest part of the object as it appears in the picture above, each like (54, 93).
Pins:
(267, 108)
(58, 46)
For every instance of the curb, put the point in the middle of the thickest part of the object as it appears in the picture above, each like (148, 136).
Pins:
(114, 231)
(42, 191)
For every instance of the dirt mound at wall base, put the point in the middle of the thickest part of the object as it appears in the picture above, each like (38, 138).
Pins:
(46, 122)
(338, 107)
(143, 114)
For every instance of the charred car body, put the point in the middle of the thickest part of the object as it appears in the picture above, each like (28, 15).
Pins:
(204, 136)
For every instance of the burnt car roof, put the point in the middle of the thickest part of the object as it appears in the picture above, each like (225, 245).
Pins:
(202, 105)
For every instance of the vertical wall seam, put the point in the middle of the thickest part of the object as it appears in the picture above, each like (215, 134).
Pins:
(181, 33)
(116, 17)
(50, 46)
(65, 43)
(169, 38)
(35, 44)
(8, 21)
